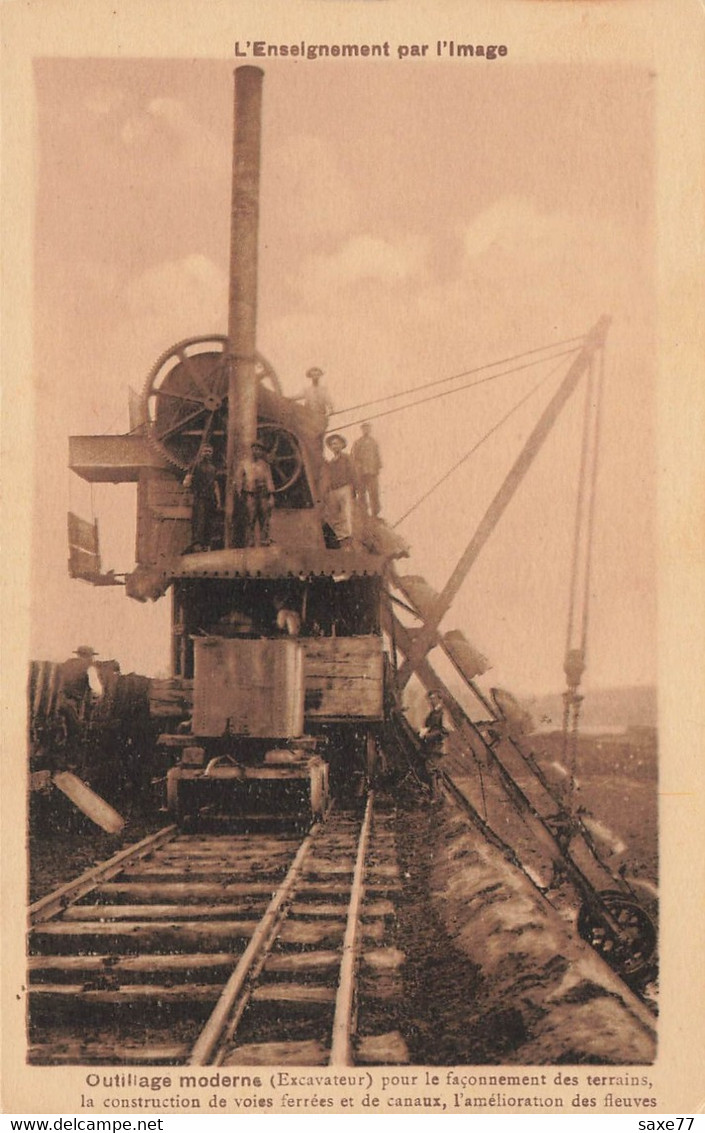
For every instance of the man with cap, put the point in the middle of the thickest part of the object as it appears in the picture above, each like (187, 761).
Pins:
(432, 736)
(79, 686)
(255, 487)
(339, 488)
(317, 400)
(207, 499)
(367, 461)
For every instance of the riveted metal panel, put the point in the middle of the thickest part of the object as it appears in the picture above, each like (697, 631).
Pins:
(248, 687)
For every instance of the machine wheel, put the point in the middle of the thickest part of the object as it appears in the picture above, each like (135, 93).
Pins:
(283, 455)
(631, 950)
(185, 398)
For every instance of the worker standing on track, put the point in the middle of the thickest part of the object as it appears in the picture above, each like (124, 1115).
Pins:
(432, 736)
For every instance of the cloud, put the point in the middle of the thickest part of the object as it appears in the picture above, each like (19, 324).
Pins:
(306, 181)
(362, 259)
(173, 300)
(514, 225)
(194, 283)
(168, 123)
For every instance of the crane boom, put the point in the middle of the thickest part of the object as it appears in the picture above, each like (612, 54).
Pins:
(425, 638)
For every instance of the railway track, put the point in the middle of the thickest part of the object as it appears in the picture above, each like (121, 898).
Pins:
(229, 948)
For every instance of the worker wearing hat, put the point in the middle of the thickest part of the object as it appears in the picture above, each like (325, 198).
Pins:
(255, 488)
(206, 518)
(79, 687)
(432, 736)
(316, 400)
(339, 489)
(367, 461)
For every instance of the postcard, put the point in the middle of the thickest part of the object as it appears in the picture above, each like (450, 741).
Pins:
(353, 461)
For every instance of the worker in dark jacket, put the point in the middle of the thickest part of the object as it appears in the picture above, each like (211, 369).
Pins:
(367, 461)
(432, 736)
(339, 485)
(79, 687)
(207, 501)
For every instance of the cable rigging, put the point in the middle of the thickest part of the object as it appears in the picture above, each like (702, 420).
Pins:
(477, 445)
(581, 563)
(577, 339)
(458, 389)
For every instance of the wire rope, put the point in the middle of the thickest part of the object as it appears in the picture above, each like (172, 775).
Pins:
(458, 389)
(454, 377)
(477, 445)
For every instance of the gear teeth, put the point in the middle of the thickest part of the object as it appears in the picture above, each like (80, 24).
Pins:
(172, 352)
(267, 372)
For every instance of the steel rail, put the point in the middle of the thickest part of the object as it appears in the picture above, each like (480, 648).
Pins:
(228, 1011)
(56, 901)
(341, 1050)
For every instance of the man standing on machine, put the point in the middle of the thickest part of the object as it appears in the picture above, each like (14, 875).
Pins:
(255, 488)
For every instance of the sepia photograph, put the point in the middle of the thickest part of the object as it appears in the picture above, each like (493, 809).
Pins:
(344, 683)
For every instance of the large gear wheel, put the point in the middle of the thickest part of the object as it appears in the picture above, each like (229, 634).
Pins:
(630, 951)
(283, 454)
(186, 396)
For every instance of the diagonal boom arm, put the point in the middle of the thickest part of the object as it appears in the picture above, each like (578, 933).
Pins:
(425, 638)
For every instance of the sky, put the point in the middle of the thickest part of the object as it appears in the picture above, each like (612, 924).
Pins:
(414, 224)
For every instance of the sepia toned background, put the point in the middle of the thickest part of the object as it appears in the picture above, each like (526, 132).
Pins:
(415, 222)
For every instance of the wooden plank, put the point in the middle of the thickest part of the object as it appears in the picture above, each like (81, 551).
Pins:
(345, 698)
(154, 962)
(383, 1050)
(367, 645)
(383, 959)
(303, 961)
(234, 857)
(142, 931)
(117, 913)
(342, 668)
(83, 534)
(312, 909)
(323, 868)
(308, 1052)
(312, 932)
(381, 869)
(264, 844)
(185, 890)
(224, 872)
(89, 802)
(378, 909)
(125, 994)
(83, 564)
(293, 993)
(319, 933)
(76, 1052)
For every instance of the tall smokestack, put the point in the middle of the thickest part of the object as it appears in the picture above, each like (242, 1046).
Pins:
(242, 311)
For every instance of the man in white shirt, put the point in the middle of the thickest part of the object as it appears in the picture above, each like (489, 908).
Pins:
(80, 687)
(318, 402)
